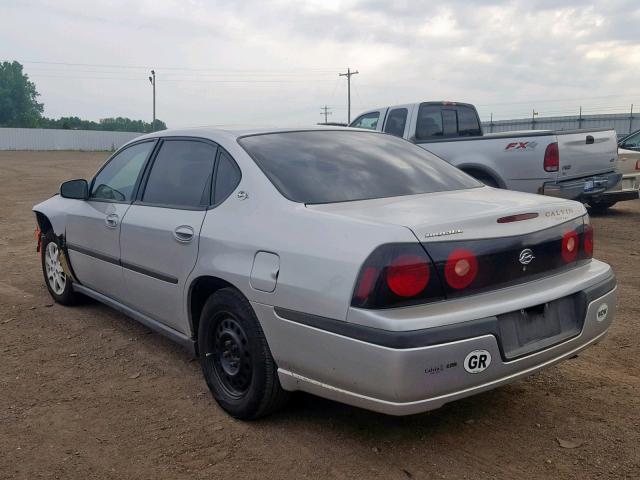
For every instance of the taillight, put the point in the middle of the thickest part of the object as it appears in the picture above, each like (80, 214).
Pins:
(587, 241)
(551, 158)
(396, 275)
(461, 268)
(637, 164)
(408, 275)
(570, 246)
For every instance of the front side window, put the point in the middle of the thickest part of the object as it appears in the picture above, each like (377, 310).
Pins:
(368, 121)
(396, 121)
(181, 175)
(117, 180)
(340, 166)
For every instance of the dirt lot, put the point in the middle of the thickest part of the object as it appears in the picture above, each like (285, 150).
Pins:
(87, 393)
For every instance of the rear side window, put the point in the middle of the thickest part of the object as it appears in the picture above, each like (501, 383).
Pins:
(340, 166)
(441, 121)
(429, 123)
(227, 178)
(118, 178)
(396, 120)
(368, 121)
(181, 175)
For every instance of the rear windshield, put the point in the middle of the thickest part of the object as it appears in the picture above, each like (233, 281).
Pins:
(341, 166)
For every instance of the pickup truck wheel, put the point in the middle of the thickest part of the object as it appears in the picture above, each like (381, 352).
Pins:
(58, 284)
(601, 207)
(235, 358)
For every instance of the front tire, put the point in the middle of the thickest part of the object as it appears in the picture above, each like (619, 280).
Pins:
(235, 358)
(58, 284)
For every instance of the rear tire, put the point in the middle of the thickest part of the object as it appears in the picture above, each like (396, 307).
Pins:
(235, 358)
(59, 285)
(601, 207)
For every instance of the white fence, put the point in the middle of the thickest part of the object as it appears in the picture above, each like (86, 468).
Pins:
(51, 139)
(622, 123)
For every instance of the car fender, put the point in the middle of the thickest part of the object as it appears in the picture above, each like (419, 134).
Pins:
(55, 210)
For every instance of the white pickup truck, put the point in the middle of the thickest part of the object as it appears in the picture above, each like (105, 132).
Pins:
(573, 164)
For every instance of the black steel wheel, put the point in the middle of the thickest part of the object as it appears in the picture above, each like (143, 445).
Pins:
(235, 357)
(231, 355)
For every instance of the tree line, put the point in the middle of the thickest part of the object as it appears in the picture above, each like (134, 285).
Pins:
(19, 107)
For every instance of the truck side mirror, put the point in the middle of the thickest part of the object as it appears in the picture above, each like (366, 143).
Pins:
(76, 189)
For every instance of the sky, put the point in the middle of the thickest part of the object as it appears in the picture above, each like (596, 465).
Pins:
(276, 63)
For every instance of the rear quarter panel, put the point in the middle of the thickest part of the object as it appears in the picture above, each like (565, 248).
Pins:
(516, 162)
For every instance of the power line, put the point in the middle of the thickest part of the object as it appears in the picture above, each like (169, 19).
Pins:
(146, 67)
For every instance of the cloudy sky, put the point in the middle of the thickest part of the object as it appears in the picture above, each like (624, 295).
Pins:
(258, 62)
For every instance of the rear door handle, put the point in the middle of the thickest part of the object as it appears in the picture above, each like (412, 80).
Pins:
(183, 233)
(590, 140)
(112, 220)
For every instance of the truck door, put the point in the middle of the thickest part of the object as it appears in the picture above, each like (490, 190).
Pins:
(397, 121)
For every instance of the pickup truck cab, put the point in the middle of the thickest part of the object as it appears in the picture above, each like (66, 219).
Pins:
(572, 164)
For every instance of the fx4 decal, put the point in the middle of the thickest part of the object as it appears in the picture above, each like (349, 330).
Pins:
(519, 146)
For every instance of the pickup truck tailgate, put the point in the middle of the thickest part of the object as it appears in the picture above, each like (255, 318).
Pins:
(585, 152)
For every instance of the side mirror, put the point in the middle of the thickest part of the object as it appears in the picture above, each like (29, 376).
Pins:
(76, 189)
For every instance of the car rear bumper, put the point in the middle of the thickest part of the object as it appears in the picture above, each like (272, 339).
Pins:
(405, 379)
(582, 189)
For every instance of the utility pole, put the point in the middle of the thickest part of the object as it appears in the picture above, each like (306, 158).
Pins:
(325, 111)
(631, 119)
(580, 118)
(491, 124)
(348, 75)
(152, 80)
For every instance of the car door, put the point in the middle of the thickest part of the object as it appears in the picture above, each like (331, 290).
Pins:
(93, 226)
(160, 232)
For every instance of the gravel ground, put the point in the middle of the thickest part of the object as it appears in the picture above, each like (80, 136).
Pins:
(87, 393)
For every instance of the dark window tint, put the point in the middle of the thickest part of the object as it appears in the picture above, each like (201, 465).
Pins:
(368, 121)
(429, 123)
(118, 178)
(396, 121)
(449, 123)
(339, 166)
(181, 174)
(468, 124)
(227, 178)
(436, 121)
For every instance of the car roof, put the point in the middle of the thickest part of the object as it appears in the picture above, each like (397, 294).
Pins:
(214, 133)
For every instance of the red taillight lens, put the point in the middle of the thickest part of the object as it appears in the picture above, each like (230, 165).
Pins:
(637, 164)
(587, 240)
(396, 274)
(366, 283)
(570, 246)
(408, 275)
(461, 268)
(551, 158)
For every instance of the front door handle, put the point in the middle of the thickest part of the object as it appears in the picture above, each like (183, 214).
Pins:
(183, 233)
(112, 220)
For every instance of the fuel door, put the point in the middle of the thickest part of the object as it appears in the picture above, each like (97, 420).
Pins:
(264, 273)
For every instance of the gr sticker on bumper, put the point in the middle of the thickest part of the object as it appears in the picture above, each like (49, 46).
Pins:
(477, 361)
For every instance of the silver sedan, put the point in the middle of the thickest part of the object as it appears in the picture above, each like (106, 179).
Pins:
(345, 263)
